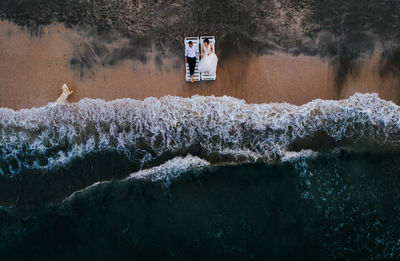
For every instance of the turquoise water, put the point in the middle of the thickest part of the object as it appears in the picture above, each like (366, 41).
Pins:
(225, 180)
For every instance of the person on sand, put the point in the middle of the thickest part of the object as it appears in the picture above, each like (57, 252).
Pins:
(63, 97)
(208, 63)
(190, 58)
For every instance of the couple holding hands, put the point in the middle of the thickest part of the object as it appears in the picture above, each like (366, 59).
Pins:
(208, 62)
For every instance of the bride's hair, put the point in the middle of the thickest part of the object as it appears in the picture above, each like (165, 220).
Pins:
(206, 41)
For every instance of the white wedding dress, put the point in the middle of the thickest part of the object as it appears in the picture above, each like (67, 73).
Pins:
(208, 63)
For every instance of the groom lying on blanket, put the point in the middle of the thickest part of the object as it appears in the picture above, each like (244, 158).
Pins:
(190, 57)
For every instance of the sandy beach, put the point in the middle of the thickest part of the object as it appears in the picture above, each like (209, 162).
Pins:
(33, 68)
(292, 153)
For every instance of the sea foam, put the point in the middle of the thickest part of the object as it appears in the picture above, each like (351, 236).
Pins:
(163, 173)
(213, 128)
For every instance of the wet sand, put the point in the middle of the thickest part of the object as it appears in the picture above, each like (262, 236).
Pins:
(34, 67)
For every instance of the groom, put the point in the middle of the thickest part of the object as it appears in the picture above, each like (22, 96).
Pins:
(190, 57)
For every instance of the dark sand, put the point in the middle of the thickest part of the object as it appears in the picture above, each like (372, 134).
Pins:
(34, 67)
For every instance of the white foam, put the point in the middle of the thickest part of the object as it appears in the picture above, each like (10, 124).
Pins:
(171, 169)
(82, 191)
(295, 155)
(165, 173)
(207, 127)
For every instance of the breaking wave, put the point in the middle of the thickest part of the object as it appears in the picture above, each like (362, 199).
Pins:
(217, 129)
(336, 206)
(164, 173)
(331, 182)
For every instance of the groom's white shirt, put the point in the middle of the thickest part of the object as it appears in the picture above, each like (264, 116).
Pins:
(191, 51)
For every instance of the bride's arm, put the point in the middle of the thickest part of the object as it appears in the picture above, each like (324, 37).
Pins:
(212, 49)
(202, 51)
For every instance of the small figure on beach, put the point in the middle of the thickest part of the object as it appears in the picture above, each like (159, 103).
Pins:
(208, 63)
(63, 97)
(190, 58)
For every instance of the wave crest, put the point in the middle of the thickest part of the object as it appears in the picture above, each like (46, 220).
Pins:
(213, 128)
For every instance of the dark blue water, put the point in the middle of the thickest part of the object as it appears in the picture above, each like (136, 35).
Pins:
(342, 205)
(201, 178)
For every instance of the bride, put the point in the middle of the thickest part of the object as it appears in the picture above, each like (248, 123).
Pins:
(208, 63)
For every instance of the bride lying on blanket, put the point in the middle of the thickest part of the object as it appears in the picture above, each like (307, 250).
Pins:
(208, 63)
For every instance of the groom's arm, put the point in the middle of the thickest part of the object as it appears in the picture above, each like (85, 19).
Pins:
(186, 54)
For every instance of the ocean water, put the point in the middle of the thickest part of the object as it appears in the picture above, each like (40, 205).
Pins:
(201, 178)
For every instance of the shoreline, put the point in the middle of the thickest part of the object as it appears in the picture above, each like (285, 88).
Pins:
(34, 67)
